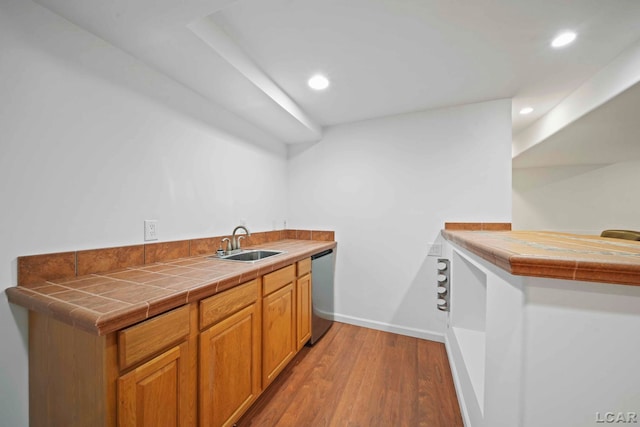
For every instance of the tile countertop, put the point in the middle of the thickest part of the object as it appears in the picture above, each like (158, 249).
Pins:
(106, 302)
(555, 255)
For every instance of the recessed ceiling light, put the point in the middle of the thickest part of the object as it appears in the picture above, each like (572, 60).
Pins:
(563, 39)
(318, 82)
(526, 110)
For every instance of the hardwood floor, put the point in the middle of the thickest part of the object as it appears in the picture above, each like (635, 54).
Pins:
(361, 377)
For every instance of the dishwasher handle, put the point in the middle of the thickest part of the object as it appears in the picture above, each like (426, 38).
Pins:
(321, 254)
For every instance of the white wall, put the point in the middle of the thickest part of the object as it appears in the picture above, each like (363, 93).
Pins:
(582, 199)
(387, 186)
(92, 143)
(580, 353)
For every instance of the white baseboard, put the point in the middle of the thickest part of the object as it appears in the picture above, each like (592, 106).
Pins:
(387, 327)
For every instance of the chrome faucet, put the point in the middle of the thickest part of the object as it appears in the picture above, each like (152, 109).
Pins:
(235, 241)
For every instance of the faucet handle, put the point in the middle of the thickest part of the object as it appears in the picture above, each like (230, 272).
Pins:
(228, 245)
(238, 242)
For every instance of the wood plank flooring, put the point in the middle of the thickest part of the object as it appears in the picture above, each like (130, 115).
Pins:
(358, 377)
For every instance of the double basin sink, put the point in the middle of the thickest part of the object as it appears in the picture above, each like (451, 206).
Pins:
(249, 255)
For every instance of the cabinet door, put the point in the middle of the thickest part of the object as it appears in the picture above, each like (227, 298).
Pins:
(229, 368)
(156, 393)
(303, 310)
(278, 332)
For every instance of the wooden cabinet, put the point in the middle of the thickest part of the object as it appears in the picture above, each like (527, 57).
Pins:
(229, 355)
(202, 364)
(278, 322)
(72, 375)
(303, 303)
(156, 393)
(140, 376)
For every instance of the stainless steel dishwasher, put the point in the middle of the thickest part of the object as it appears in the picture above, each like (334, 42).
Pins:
(322, 270)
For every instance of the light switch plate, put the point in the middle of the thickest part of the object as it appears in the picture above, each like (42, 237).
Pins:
(150, 229)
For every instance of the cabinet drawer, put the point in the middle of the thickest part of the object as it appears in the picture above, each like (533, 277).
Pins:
(274, 281)
(304, 267)
(141, 341)
(217, 307)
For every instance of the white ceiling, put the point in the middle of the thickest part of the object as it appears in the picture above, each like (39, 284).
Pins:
(608, 134)
(383, 57)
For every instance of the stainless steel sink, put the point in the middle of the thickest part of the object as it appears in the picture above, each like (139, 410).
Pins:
(251, 255)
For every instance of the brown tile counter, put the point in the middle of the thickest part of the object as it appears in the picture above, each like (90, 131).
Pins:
(555, 255)
(105, 302)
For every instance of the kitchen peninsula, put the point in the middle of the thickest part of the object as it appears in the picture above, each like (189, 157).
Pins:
(543, 327)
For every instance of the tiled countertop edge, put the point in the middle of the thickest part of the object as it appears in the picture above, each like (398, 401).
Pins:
(547, 267)
(106, 323)
(478, 226)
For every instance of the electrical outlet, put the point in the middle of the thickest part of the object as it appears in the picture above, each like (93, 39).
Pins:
(435, 249)
(150, 229)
